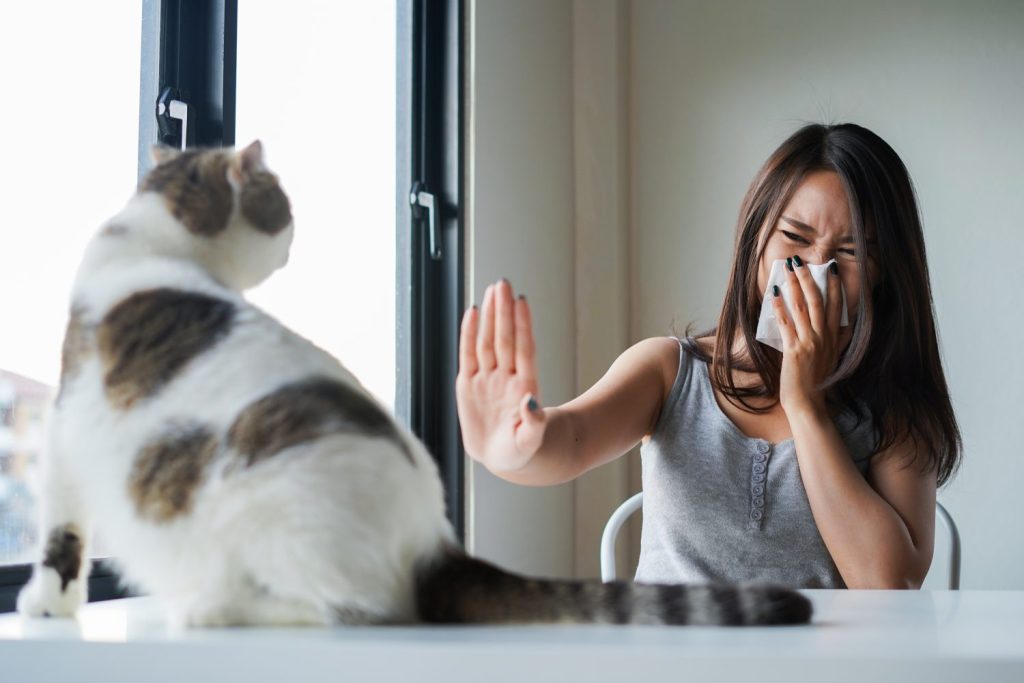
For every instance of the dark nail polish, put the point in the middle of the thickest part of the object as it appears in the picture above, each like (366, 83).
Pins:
(473, 307)
(522, 297)
(833, 268)
(775, 290)
(789, 265)
(797, 261)
(532, 403)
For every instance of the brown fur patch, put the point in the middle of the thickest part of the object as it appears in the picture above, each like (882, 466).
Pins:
(78, 343)
(146, 339)
(167, 472)
(63, 553)
(195, 187)
(304, 411)
(264, 204)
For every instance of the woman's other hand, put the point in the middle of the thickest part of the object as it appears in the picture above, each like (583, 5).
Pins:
(496, 389)
(810, 337)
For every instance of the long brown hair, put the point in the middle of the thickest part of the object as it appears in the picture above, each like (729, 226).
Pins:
(891, 370)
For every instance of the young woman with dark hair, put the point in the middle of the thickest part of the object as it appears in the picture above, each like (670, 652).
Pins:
(816, 466)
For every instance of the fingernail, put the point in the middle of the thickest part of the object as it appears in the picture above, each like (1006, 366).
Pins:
(532, 404)
(522, 297)
(797, 261)
(789, 265)
(775, 290)
(833, 268)
(473, 307)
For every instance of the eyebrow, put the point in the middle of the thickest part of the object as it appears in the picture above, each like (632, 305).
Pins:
(803, 227)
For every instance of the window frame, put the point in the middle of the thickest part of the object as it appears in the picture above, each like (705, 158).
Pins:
(191, 46)
(430, 293)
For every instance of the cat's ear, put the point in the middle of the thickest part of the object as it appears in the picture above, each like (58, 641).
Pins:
(245, 162)
(161, 153)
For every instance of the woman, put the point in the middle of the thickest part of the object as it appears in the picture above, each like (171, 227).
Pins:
(813, 467)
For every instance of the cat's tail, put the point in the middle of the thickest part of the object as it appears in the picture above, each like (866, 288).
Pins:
(456, 588)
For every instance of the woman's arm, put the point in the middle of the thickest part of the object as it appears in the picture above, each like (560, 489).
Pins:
(608, 419)
(523, 442)
(880, 532)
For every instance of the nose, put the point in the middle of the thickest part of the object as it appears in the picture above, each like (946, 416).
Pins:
(821, 255)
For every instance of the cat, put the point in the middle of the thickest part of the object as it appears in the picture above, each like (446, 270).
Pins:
(241, 473)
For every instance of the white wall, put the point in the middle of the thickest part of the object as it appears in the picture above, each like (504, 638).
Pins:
(717, 86)
(548, 171)
(520, 173)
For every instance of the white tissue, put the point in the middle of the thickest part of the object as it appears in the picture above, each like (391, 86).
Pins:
(767, 326)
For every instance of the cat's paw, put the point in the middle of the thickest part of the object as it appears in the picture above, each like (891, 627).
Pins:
(43, 595)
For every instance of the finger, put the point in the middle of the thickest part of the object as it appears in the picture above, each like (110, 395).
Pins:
(834, 303)
(467, 342)
(797, 302)
(812, 295)
(504, 327)
(786, 330)
(485, 338)
(526, 365)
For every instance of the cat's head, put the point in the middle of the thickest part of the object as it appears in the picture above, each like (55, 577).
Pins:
(237, 220)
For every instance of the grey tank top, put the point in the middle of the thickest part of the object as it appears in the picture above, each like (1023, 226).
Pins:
(721, 506)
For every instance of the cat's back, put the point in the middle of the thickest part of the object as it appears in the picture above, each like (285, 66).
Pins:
(157, 347)
(146, 337)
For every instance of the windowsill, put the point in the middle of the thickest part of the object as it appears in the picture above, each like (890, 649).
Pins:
(919, 635)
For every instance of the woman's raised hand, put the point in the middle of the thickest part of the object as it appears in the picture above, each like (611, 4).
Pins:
(496, 390)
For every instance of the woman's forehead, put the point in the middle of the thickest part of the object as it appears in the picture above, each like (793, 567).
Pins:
(820, 205)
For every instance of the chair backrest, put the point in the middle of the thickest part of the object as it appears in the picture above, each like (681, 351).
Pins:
(635, 502)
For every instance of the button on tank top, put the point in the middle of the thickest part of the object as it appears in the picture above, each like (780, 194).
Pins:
(721, 506)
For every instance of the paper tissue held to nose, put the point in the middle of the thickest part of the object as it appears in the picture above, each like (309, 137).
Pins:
(767, 325)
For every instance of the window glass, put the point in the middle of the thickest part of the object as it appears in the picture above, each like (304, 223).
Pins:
(69, 119)
(316, 84)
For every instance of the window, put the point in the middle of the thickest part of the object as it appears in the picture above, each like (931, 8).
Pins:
(316, 84)
(319, 83)
(70, 148)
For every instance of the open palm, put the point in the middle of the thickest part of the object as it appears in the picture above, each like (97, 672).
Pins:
(496, 389)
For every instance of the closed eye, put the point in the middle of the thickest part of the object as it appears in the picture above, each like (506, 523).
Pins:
(795, 237)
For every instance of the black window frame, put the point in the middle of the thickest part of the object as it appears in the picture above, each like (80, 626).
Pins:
(189, 51)
(430, 293)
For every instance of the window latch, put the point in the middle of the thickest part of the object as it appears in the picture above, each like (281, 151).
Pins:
(421, 199)
(169, 107)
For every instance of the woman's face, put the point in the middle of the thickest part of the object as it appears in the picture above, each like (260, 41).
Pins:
(815, 225)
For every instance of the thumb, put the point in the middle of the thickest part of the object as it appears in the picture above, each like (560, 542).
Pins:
(530, 410)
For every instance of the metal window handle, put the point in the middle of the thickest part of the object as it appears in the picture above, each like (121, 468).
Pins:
(179, 110)
(169, 107)
(420, 199)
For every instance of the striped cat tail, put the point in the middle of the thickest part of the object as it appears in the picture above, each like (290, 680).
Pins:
(458, 589)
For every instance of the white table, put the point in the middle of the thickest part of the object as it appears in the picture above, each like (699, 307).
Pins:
(861, 636)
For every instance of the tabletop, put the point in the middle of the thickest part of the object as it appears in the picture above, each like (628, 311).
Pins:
(887, 635)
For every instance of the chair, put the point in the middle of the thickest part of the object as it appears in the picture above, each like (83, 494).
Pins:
(619, 517)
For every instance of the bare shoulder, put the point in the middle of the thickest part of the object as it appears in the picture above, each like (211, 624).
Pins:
(661, 353)
(656, 358)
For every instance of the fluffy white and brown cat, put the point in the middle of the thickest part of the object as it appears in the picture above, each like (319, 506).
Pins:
(244, 475)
